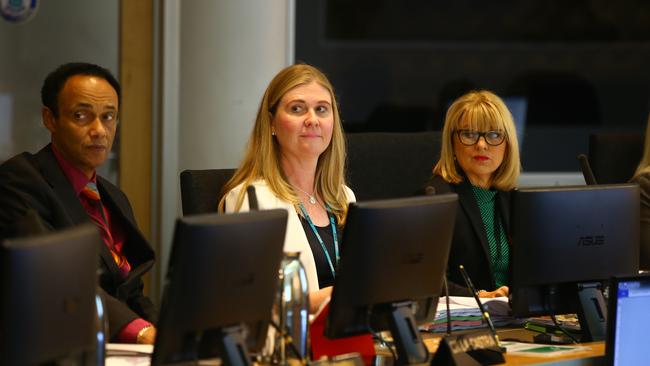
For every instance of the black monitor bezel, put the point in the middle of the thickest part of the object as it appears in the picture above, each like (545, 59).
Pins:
(612, 305)
(257, 236)
(59, 322)
(529, 299)
(356, 257)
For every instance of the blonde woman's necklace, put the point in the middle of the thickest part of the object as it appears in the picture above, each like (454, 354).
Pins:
(312, 197)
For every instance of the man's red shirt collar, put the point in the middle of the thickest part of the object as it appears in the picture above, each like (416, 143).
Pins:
(76, 177)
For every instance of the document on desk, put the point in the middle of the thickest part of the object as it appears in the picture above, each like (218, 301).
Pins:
(465, 313)
(120, 354)
(541, 350)
(497, 306)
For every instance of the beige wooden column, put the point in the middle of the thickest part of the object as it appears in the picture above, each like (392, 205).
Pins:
(135, 129)
(135, 156)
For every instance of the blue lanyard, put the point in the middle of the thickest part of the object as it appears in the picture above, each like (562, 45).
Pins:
(320, 240)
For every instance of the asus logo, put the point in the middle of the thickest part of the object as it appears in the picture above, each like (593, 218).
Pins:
(590, 241)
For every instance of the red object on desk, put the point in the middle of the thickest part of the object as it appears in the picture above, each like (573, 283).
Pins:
(323, 346)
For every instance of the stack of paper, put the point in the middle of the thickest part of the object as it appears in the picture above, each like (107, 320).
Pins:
(465, 313)
(119, 354)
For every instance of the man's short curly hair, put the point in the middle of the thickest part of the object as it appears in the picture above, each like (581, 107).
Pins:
(55, 81)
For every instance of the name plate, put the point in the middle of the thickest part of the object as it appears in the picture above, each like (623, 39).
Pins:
(469, 349)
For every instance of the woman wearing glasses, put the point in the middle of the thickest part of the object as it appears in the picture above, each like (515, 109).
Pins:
(479, 161)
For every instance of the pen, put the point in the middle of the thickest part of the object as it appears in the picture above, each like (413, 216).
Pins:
(485, 314)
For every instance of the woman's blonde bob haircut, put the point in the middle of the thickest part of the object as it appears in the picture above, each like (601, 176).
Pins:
(262, 156)
(480, 110)
(644, 165)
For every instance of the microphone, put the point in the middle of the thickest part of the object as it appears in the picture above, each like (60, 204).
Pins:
(252, 198)
(480, 347)
(484, 313)
(429, 191)
(590, 179)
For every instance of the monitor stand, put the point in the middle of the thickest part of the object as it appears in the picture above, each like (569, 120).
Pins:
(232, 346)
(592, 313)
(406, 336)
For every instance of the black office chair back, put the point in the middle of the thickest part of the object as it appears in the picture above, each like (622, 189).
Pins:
(47, 285)
(613, 157)
(201, 189)
(390, 165)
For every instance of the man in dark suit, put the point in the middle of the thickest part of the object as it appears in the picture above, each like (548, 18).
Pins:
(80, 108)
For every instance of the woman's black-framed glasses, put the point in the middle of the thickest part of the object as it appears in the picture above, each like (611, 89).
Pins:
(471, 137)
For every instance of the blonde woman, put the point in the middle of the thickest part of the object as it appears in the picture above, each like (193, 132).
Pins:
(479, 161)
(642, 178)
(295, 159)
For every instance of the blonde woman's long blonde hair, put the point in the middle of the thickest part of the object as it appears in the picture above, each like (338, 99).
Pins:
(481, 110)
(262, 155)
(644, 165)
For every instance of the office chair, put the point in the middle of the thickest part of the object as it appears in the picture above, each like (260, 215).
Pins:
(613, 157)
(201, 189)
(390, 165)
(48, 297)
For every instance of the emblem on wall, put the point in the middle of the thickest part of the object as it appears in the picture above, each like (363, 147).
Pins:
(18, 11)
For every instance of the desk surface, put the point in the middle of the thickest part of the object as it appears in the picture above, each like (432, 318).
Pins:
(593, 356)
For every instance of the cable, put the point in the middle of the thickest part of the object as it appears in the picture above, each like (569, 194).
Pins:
(378, 335)
(384, 343)
(561, 328)
(548, 308)
(289, 340)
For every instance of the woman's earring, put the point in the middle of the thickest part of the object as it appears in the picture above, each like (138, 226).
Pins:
(272, 133)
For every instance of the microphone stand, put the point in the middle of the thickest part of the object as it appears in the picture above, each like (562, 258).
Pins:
(448, 309)
(476, 348)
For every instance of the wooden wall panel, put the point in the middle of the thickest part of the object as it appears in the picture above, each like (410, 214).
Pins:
(136, 72)
(135, 128)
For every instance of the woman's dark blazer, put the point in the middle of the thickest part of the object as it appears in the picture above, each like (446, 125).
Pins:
(469, 246)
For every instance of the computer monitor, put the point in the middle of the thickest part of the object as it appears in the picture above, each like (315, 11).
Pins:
(566, 243)
(48, 284)
(628, 321)
(223, 273)
(393, 260)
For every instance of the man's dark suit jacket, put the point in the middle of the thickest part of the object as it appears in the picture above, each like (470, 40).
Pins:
(469, 246)
(36, 182)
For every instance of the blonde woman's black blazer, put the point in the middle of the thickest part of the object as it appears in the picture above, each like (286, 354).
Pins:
(469, 245)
